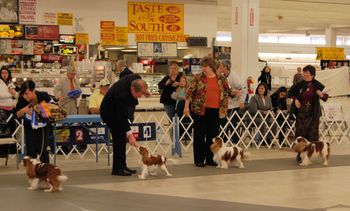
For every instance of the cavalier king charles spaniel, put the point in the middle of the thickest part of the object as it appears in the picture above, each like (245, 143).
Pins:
(224, 155)
(309, 149)
(151, 162)
(43, 175)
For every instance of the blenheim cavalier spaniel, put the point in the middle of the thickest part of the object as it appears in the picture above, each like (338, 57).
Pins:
(43, 175)
(224, 155)
(151, 162)
(308, 150)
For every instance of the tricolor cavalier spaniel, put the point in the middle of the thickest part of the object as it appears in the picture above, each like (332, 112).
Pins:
(309, 149)
(43, 175)
(224, 155)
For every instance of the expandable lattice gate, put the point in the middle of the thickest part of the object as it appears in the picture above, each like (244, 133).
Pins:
(259, 130)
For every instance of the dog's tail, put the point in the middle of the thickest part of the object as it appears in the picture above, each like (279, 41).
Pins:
(62, 178)
(244, 155)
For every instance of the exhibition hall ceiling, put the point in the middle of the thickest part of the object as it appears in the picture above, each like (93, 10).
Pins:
(294, 16)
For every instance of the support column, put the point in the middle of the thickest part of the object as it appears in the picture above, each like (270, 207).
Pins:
(245, 34)
(331, 37)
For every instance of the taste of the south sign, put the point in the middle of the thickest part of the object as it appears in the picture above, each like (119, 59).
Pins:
(155, 18)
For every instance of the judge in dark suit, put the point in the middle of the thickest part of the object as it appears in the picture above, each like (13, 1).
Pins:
(114, 112)
(123, 69)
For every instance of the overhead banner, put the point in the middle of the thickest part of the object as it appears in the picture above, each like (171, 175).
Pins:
(27, 11)
(147, 17)
(50, 18)
(82, 38)
(107, 32)
(330, 53)
(161, 37)
(121, 35)
(65, 19)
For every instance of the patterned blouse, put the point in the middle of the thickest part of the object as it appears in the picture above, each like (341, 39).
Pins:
(196, 94)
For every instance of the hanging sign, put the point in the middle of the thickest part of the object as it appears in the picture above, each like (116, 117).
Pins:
(50, 18)
(82, 38)
(121, 35)
(27, 11)
(107, 32)
(330, 53)
(65, 19)
(153, 17)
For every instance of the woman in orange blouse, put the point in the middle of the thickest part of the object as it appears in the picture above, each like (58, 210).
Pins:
(208, 94)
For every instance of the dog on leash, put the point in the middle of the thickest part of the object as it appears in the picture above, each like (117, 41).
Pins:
(308, 150)
(151, 162)
(43, 175)
(224, 155)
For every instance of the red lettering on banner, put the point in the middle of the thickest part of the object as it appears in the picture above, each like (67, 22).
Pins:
(251, 17)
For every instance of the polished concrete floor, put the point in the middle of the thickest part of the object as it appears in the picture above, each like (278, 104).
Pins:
(270, 181)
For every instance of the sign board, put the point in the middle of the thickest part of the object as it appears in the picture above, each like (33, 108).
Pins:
(146, 37)
(65, 19)
(144, 131)
(121, 35)
(107, 32)
(67, 39)
(82, 38)
(41, 32)
(156, 18)
(8, 31)
(332, 112)
(330, 53)
(50, 18)
(27, 11)
(164, 50)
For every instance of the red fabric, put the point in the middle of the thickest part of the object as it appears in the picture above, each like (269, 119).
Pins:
(212, 95)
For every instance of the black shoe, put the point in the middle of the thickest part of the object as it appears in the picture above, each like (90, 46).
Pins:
(130, 170)
(121, 173)
(200, 164)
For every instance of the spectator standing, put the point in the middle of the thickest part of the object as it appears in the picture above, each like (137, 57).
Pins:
(298, 76)
(237, 97)
(167, 86)
(279, 107)
(265, 77)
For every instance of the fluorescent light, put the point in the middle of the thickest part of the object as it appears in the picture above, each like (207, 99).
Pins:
(128, 50)
(115, 48)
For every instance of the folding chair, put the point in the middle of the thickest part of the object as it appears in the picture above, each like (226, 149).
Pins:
(10, 141)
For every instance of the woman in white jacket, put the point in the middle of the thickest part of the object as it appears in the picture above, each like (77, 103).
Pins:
(7, 90)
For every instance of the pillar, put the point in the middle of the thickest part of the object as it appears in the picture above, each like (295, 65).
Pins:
(331, 37)
(245, 35)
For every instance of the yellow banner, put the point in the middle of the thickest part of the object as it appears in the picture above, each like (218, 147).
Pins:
(121, 35)
(330, 54)
(155, 18)
(161, 37)
(65, 19)
(82, 38)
